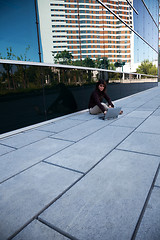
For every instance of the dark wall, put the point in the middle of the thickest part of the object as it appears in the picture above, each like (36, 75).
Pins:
(22, 110)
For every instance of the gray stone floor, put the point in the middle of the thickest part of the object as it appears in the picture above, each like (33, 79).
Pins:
(79, 177)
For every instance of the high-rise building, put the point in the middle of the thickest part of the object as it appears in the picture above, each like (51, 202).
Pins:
(86, 29)
(120, 30)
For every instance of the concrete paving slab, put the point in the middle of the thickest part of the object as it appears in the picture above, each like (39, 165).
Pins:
(129, 100)
(145, 109)
(39, 231)
(85, 116)
(128, 122)
(150, 104)
(24, 138)
(84, 154)
(157, 112)
(5, 149)
(18, 160)
(122, 103)
(151, 125)
(60, 125)
(134, 104)
(25, 195)
(140, 113)
(126, 111)
(110, 198)
(149, 227)
(80, 131)
(142, 143)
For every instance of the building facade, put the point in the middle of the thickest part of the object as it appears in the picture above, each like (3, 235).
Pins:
(86, 29)
(95, 29)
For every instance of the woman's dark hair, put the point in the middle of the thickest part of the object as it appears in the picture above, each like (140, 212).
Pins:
(101, 82)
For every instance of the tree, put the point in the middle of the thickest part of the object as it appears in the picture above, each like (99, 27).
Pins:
(147, 67)
(22, 68)
(112, 66)
(8, 68)
(63, 57)
(119, 64)
(11, 55)
(24, 56)
(102, 63)
(77, 62)
(11, 82)
(88, 62)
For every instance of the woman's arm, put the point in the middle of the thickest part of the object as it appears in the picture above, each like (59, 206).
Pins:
(97, 101)
(108, 100)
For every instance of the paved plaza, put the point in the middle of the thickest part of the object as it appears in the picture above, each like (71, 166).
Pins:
(79, 177)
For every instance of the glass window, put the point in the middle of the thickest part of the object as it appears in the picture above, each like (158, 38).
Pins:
(59, 24)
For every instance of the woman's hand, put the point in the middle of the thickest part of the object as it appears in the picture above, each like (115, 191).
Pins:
(105, 112)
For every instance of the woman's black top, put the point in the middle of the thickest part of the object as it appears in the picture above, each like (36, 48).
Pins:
(96, 99)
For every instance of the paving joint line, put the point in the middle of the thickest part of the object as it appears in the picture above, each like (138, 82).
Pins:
(62, 139)
(14, 148)
(60, 166)
(41, 130)
(145, 205)
(82, 137)
(136, 127)
(82, 121)
(29, 143)
(56, 229)
(144, 119)
(114, 148)
(33, 165)
(20, 172)
(36, 216)
(54, 133)
(121, 126)
(7, 153)
(151, 133)
(148, 154)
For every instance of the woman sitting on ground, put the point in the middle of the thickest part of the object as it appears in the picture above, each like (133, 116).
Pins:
(96, 105)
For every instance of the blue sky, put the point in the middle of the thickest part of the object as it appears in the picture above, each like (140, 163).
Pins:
(18, 28)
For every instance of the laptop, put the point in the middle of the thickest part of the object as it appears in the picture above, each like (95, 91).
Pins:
(111, 113)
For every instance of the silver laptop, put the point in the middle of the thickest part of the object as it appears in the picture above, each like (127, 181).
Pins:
(111, 113)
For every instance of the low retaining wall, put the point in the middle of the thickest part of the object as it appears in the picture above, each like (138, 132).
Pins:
(20, 111)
